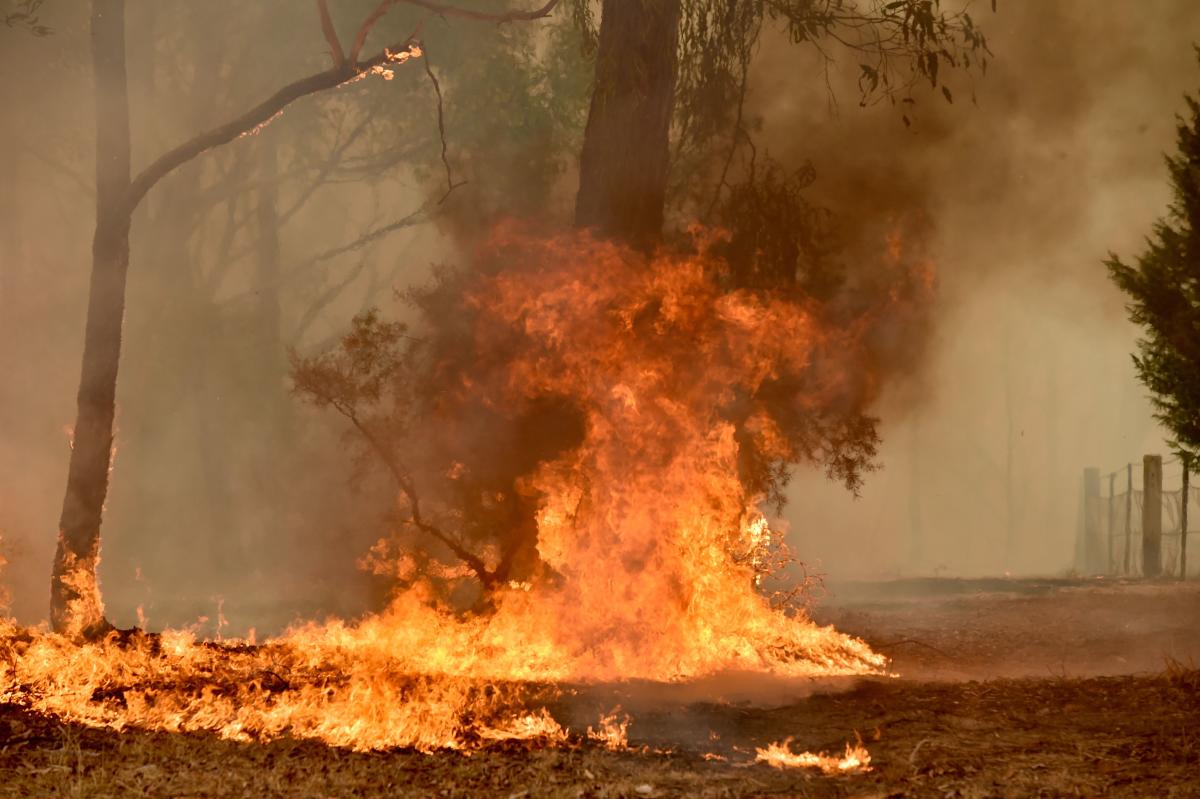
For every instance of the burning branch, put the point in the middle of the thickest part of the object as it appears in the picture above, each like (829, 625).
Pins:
(445, 11)
(261, 115)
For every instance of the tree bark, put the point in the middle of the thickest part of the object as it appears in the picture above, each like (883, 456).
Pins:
(625, 159)
(74, 595)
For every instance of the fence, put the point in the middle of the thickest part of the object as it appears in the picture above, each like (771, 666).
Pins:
(1131, 526)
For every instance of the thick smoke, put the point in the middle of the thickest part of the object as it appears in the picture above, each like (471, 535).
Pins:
(226, 487)
(1027, 180)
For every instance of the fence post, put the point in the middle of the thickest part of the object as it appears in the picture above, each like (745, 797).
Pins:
(1128, 515)
(1092, 563)
(1151, 515)
(1112, 520)
(1183, 520)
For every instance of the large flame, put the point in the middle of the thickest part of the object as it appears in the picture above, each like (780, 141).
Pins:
(650, 546)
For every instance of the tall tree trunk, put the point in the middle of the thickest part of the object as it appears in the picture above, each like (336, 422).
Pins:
(268, 260)
(74, 595)
(624, 163)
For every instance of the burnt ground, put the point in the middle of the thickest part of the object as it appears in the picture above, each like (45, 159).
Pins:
(1006, 688)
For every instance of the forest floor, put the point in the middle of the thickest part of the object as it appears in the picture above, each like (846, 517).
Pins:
(1006, 688)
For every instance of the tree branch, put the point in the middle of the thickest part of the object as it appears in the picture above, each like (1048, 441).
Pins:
(437, 88)
(487, 578)
(257, 117)
(446, 11)
(335, 47)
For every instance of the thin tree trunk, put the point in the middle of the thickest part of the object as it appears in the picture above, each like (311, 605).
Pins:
(625, 158)
(74, 595)
(75, 606)
(916, 526)
(275, 404)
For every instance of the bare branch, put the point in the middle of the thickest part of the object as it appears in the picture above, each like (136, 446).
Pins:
(335, 47)
(360, 38)
(733, 139)
(437, 88)
(446, 11)
(476, 564)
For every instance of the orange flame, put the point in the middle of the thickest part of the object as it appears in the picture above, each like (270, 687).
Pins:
(779, 755)
(642, 533)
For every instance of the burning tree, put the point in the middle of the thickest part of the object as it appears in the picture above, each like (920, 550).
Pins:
(583, 428)
(502, 435)
(590, 431)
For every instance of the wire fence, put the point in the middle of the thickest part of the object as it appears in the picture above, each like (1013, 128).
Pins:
(1116, 519)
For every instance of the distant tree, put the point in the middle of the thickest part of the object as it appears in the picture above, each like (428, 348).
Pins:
(24, 14)
(74, 597)
(1164, 295)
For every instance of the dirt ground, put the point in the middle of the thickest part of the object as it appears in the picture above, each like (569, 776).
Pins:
(1005, 689)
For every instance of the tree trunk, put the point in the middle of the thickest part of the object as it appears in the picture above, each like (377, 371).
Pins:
(75, 606)
(624, 163)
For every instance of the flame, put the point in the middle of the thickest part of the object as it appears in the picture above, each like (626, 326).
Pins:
(779, 755)
(651, 549)
(612, 731)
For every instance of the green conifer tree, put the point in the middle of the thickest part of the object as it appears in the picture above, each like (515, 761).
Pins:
(1164, 293)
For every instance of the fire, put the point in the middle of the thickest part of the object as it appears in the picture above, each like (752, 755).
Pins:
(650, 548)
(780, 755)
(612, 731)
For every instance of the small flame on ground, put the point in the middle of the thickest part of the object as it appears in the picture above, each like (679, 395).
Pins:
(612, 731)
(779, 755)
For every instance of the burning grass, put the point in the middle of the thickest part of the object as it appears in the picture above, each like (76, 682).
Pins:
(1134, 735)
(1130, 736)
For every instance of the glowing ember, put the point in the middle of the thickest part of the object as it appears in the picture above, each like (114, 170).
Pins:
(779, 755)
(650, 549)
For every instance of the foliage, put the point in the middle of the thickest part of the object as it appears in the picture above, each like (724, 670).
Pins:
(902, 43)
(1163, 287)
(777, 238)
(355, 375)
(384, 383)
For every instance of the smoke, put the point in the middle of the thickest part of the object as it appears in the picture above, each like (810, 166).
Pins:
(224, 486)
(1037, 170)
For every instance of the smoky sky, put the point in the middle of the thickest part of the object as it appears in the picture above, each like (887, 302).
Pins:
(228, 493)
(1039, 168)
